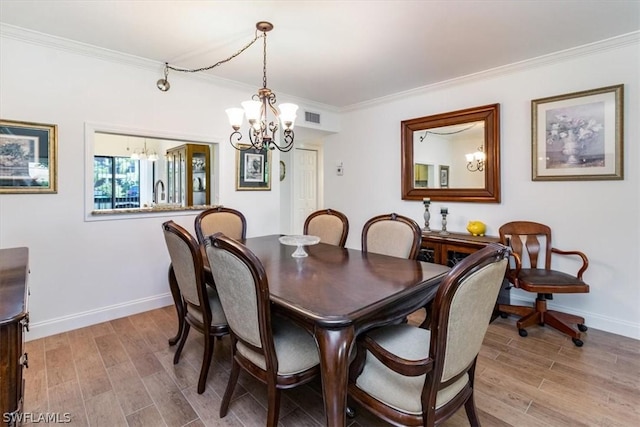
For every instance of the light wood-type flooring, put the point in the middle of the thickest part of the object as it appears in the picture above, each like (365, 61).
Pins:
(120, 373)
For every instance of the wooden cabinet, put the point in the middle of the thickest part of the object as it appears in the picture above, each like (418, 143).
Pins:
(14, 317)
(453, 248)
(189, 173)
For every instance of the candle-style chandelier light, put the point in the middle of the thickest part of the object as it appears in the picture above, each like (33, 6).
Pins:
(262, 130)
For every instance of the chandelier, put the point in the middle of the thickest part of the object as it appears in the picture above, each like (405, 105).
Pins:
(475, 161)
(262, 130)
(144, 153)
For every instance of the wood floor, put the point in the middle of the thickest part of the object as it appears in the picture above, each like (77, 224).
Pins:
(120, 373)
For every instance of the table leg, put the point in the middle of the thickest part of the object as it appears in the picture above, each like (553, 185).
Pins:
(334, 345)
(179, 303)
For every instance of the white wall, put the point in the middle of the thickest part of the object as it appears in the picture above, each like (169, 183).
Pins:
(600, 218)
(84, 272)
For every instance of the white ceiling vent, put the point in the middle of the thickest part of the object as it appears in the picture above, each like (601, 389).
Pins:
(312, 117)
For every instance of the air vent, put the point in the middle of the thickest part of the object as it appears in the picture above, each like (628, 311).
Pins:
(311, 117)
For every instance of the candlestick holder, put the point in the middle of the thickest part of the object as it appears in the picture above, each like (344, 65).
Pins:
(427, 215)
(444, 231)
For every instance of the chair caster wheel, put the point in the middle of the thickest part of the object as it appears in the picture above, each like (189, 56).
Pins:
(351, 413)
(582, 328)
(504, 315)
(577, 342)
(523, 332)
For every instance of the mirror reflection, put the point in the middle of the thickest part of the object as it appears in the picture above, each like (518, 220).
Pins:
(445, 157)
(133, 172)
(452, 156)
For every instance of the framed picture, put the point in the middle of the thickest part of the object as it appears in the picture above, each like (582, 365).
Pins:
(444, 176)
(253, 168)
(28, 153)
(578, 136)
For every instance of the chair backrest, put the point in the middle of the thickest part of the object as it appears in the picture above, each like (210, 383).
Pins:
(219, 219)
(330, 225)
(187, 268)
(393, 235)
(462, 310)
(531, 242)
(243, 289)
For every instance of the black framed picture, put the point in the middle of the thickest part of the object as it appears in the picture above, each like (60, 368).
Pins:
(253, 168)
(28, 157)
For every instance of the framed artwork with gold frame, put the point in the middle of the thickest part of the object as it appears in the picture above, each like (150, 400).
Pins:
(28, 157)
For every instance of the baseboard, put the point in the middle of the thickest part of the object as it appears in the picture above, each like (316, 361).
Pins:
(595, 321)
(92, 317)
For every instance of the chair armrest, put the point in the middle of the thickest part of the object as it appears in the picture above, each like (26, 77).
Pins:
(411, 368)
(512, 273)
(585, 261)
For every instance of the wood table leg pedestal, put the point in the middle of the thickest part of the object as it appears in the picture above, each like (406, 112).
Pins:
(335, 345)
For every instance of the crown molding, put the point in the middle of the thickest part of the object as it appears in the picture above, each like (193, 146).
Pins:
(78, 48)
(613, 43)
(54, 42)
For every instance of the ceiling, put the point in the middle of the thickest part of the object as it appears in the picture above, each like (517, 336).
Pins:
(337, 53)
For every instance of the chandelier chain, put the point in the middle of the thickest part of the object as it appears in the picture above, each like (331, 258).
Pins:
(264, 61)
(196, 70)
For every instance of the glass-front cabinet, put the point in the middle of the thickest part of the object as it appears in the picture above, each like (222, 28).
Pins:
(189, 169)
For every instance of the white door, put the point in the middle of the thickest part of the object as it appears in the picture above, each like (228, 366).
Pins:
(305, 186)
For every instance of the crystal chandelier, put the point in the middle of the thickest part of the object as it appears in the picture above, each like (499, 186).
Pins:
(262, 129)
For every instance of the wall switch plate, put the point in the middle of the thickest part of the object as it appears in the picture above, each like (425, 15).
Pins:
(339, 170)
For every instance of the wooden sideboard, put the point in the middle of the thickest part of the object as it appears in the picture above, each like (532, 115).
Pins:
(454, 247)
(14, 317)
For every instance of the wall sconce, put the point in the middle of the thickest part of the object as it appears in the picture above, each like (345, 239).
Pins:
(475, 161)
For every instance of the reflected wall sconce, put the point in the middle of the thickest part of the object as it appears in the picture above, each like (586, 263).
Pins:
(475, 161)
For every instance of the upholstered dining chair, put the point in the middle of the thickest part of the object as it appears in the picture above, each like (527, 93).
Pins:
(392, 234)
(412, 376)
(273, 350)
(330, 225)
(532, 249)
(220, 219)
(202, 306)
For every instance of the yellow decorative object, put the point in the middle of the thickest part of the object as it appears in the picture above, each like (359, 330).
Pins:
(477, 228)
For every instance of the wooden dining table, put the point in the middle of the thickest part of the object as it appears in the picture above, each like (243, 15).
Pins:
(338, 293)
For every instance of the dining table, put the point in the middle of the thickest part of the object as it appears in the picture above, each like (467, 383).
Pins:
(337, 294)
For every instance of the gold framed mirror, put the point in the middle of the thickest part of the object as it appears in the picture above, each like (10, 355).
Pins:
(452, 156)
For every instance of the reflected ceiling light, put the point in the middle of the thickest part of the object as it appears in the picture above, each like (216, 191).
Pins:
(262, 129)
(475, 161)
(144, 153)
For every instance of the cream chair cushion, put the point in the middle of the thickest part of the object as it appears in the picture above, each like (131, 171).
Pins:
(226, 222)
(395, 390)
(393, 238)
(217, 314)
(328, 227)
(296, 349)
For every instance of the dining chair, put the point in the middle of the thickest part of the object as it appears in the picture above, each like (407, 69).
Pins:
(532, 249)
(330, 225)
(202, 307)
(392, 234)
(412, 376)
(220, 219)
(272, 349)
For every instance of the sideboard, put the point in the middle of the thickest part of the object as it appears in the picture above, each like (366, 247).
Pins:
(14, 317)
(452, 248)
